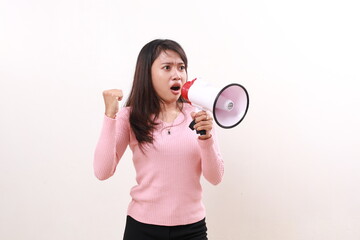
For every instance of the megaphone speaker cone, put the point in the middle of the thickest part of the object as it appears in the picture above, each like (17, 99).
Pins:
(231, 105)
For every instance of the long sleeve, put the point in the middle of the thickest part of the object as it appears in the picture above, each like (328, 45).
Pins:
(211, 160)
(168, 189)
(112, 143)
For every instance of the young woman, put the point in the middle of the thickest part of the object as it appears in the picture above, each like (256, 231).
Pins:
(168, 156)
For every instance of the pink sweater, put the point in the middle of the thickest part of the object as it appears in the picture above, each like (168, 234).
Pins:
(168, 190)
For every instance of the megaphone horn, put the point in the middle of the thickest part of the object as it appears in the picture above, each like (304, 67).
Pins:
(229, 104)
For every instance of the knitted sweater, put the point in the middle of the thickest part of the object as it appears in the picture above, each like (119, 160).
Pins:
(168, 190)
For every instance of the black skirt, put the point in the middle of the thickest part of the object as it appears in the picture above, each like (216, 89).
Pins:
(135, 230)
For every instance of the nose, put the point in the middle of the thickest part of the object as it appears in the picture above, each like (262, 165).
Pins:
(176, 75)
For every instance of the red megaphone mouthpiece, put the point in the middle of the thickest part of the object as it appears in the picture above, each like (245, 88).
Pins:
(185, 90)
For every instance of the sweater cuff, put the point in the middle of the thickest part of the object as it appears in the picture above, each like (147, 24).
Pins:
(207, 143)
(109, 118)
(108, 123)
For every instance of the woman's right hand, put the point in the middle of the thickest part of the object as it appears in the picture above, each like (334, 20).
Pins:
(111, 99)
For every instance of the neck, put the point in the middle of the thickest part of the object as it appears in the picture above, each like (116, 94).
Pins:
(169, 111)
(169, 107)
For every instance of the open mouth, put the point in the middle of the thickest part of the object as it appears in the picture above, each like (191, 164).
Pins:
(175, 87)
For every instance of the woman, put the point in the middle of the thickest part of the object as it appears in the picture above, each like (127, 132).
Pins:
(168, 157)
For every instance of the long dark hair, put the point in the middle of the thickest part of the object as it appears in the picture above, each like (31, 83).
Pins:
(144, 103)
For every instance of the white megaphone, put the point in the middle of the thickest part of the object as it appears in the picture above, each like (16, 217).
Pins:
(229, 104)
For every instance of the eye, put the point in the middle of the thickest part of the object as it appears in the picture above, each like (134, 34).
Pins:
(166, 67)
(182, 67)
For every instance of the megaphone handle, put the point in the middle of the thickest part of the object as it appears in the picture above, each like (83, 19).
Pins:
(191, 126)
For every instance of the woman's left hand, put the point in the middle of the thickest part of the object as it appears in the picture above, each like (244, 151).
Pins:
(203, 121)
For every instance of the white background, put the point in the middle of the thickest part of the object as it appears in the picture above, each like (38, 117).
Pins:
(291, 167)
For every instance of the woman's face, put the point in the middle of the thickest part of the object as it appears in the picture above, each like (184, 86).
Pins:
(168, 75)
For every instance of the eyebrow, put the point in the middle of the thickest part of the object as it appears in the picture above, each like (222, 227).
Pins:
(171, 63)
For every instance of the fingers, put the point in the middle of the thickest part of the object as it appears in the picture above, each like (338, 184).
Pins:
(203, 121)
(111, 99)
(201, 116)
(113, 94)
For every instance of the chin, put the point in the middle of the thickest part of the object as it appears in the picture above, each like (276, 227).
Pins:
(172, 100)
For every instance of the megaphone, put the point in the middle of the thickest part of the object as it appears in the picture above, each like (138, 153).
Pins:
(228, 104)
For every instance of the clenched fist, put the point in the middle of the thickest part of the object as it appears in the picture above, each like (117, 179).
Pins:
(111, 99)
